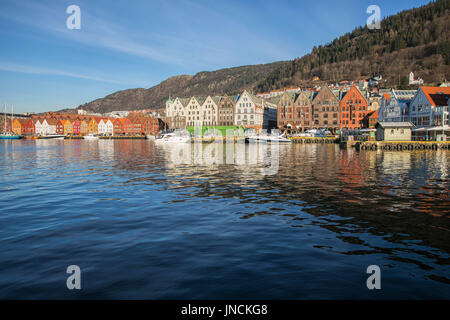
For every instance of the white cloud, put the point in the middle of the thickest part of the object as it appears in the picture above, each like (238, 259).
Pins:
(12, 67)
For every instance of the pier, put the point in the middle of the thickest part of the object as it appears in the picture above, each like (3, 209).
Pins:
(315, 140)
(401, 145)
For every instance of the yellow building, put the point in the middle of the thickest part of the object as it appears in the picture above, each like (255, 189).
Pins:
(68, 127)
(93, 126)
(17, 127)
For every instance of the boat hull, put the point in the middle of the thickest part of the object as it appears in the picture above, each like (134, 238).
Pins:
(90, 137)
(9, 137)
(55, 137)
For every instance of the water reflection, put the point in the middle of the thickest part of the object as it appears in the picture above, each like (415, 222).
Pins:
(138, 207)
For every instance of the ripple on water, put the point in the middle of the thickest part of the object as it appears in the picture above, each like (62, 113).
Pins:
(140, 226)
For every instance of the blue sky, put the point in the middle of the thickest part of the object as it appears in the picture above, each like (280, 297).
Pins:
(130, 44)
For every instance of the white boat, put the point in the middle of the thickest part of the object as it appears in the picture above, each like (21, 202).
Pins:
(269, 138)
(172, 137)
(91, 136)
(150, 137)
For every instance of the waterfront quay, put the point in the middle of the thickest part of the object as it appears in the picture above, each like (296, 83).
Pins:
(402, 145)
(104, 137)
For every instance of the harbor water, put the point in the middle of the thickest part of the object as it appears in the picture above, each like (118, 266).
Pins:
(141, 226)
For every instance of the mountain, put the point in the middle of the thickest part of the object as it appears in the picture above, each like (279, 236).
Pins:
(230, 80)
(413, 40)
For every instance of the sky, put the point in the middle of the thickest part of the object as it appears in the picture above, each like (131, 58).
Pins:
(137, 44)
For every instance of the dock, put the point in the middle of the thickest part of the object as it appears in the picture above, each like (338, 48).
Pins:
(401, 145)
(315, 140)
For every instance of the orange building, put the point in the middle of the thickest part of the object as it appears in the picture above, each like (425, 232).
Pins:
(353, 109)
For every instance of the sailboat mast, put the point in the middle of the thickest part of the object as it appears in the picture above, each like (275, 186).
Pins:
(12, 116)
(4, 124)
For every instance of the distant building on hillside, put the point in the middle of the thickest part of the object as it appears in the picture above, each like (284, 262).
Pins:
(418, 81)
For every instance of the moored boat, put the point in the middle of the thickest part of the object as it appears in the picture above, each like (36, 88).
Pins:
(269, 139)
(172, 137)
(91, 136)
(9, 136)
(52, 136)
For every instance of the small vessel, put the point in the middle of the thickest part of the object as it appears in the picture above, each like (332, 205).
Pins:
(8, 135)
(91, 136)
(269, 138)
(150, 137)
(53, 136)
(172, 137)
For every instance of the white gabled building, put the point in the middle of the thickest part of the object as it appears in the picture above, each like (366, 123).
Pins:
(194, 111)
(50, 126)
(109, 128)
(176, 114)
(105, 127)
(38, 127)
(254, 112)
(397, 108)
(209, 111)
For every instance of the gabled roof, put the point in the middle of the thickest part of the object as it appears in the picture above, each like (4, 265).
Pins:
(184, 101)
(51, 121)
(200, 100)
(216, 99)
(437, 96)
(309, 95)
(232, 98)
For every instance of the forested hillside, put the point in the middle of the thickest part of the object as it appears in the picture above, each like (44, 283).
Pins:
(414, 40)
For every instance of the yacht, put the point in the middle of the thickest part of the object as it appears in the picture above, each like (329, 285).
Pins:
(172, 137)
(269, 138)
(90, 136)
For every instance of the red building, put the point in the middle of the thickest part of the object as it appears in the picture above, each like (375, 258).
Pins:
(137, 126)
(27, 126)
(150, 125)
(118, 126)
(76, 127)
(60, 126)
(128, 126)
(353, 109)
